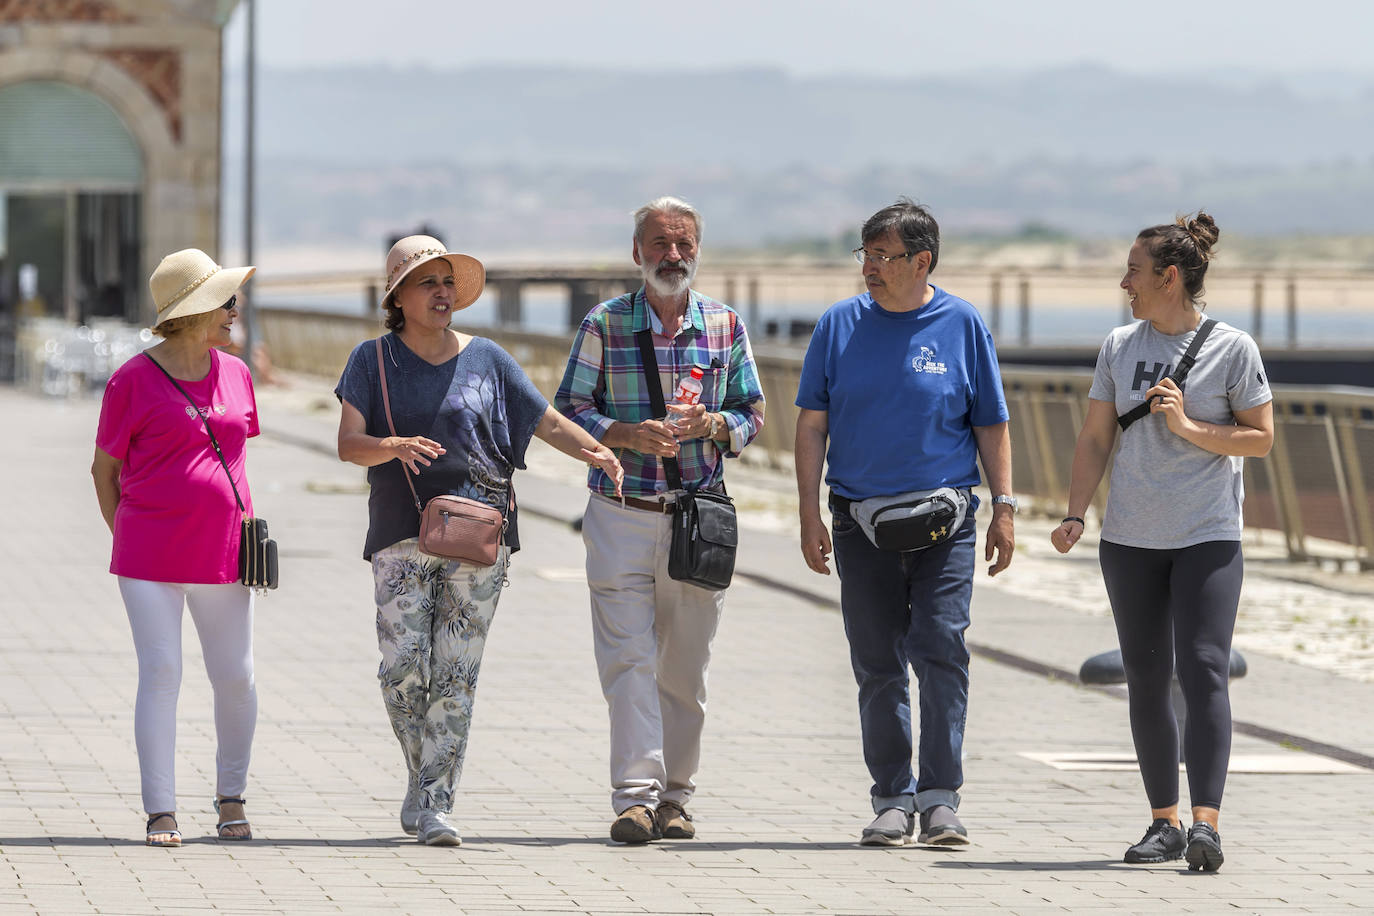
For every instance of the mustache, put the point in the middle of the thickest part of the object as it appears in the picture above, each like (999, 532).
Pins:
(680, 264)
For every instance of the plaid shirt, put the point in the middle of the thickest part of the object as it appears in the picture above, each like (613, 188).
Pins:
(604, 382)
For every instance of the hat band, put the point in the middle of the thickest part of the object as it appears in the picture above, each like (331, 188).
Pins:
(391, 277)
(187, 290)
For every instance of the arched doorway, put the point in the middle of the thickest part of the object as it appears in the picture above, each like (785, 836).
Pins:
(71, 180)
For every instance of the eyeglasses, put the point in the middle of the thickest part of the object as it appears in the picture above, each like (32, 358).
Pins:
(863, 255)
(229, 306)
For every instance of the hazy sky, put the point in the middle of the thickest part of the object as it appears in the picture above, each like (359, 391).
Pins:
(895, 37)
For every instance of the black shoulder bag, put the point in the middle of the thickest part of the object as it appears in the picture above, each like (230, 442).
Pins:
(1179, 375)
(705, 530)
(257, 551)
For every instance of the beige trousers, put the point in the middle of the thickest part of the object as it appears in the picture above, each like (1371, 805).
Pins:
(652, 637)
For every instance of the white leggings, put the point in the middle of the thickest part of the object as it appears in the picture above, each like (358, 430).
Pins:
(223, 615)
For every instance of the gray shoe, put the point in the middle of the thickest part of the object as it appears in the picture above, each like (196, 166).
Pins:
(435, 830)
(940, 826)
(410, 808)
(893, 827)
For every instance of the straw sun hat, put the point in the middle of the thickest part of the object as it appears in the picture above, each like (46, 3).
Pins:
(410, 252)
(189, 282)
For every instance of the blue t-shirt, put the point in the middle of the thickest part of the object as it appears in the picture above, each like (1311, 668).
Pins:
(902, 391)
(480, 406)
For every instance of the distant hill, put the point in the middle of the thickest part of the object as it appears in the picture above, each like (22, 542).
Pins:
(527, 157)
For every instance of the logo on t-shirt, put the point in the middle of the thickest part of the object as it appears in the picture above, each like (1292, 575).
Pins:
(220, 409)
(926, 362)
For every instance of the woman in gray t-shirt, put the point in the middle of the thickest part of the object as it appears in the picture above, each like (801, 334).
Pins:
(1170, 546)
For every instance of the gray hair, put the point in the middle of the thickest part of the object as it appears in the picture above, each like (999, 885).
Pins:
(668, 206)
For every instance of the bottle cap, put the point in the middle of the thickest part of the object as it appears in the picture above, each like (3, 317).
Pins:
(696, 372)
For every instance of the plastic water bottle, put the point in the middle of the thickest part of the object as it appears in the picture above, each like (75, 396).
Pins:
(688, 392)
(689, 387)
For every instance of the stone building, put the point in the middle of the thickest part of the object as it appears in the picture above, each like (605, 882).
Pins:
(109, 149)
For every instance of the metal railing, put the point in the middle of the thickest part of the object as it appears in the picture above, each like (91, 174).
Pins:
(1316, 487)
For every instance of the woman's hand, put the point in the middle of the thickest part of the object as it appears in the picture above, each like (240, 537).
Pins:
(1066, 535)
(605, 459)
(1167, 398)
(413, 451)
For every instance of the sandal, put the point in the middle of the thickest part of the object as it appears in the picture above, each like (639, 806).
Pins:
(219, 828)
(174, 833)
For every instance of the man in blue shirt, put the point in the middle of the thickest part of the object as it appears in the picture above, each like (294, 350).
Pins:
(902, 384)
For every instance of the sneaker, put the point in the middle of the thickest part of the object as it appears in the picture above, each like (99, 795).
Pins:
(410, 808)
(636, 824)
(674, 823)
(1204, 848)
(940, 826)
(1163, 842)
(893, 827)
(435, 830)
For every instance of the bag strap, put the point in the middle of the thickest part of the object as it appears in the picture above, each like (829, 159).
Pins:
(219, 453)
(1179, 375)
(386, 407)
(655, 387)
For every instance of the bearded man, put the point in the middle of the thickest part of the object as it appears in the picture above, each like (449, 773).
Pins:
(652, 634)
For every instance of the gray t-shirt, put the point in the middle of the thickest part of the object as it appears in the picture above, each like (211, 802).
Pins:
(1166, 492)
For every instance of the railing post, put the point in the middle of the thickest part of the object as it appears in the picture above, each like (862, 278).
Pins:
(581, 300)
(752, 320)
(509, 307)
(1257, 319)
(1024, 295)
(995, 304)
(371, 301)
(1291, 308)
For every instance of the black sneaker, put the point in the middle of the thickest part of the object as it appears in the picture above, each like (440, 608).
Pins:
(1204, 848)
(1163, 842)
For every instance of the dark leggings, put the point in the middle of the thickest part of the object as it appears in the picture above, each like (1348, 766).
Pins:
(1177, 604)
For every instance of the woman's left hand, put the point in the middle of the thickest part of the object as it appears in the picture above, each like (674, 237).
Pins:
(1167, 398)
(605, 459)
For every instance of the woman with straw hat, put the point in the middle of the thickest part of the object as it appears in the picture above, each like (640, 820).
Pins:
(464, 413)
(175, 519)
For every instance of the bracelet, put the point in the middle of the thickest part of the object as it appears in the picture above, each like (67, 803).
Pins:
(1073, 518)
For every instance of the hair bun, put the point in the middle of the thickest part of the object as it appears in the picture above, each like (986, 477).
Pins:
(1203, 230)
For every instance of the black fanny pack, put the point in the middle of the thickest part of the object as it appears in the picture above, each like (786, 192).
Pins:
(911, 521)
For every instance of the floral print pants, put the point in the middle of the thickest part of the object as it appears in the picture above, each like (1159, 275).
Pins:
(433, 616)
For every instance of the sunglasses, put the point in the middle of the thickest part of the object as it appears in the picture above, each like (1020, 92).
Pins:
(229, 306)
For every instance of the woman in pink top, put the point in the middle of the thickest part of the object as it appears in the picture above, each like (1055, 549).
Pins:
(171, 508)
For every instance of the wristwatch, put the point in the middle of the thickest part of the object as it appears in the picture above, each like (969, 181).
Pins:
(716, 423)
(1005, 500)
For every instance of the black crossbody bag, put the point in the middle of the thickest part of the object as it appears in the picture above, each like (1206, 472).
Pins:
(257, 551)
(705, 529)
(1179, 375)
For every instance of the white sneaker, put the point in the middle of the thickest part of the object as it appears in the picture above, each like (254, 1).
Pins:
(435, 830)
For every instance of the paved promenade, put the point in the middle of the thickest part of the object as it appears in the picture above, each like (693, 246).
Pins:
(783, 790)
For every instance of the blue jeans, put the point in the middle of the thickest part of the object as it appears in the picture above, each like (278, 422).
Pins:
(899, 609)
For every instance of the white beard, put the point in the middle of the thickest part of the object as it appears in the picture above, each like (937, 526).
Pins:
(669, 286)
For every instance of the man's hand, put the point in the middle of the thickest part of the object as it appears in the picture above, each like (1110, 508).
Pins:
(651, 437)
(1001, 537)
(815, 543)
(688, 421)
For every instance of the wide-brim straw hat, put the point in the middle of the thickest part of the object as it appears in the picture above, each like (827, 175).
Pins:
(189, 282)
(469, 276)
